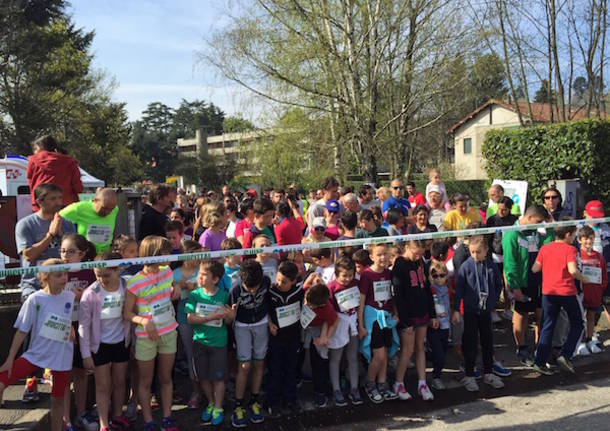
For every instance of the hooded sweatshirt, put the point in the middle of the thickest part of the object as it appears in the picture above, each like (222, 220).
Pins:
(51, 167)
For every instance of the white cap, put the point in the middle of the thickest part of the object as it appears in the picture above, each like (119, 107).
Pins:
(435, 188)
(319, 222)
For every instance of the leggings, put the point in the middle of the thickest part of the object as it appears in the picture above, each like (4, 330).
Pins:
(351, 352)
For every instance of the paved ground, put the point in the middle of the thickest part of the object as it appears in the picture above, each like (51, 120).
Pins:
(521, 388)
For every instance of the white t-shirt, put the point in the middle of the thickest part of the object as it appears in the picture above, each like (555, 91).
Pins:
(111, 319)
(48, 320)
(230, 232)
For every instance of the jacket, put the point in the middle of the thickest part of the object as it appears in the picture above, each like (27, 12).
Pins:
(89, 319)
(51, 167)
(517, 262)
(412, 294)
(279, 299)
(475, 278)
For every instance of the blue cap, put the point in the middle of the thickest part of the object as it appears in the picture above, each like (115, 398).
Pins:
(332, 206)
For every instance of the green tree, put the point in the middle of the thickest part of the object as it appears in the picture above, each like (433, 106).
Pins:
(487, 79)
(542, 94)
(237, 124)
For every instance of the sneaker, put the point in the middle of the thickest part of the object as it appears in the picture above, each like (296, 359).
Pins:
(524, 357)
(507, 315)
(340, 400)
(217, 417)
(371, 391)
(131, 413)
(321, 400)
(595, 338)
(194, 401)
(168, 424)
(87, 422)
(238, 419)
(402, 393)
(150, 426)
(47, 376)
(438, 384)
(206, 414)
(154, 403)
(354, 397)
(582, 350)
(256, 414)
(387, 393)
(470, 384)
(30, 394)
(495, 318)
(68, 427)
(273, 412)
(493, 381)
(593, 347)
(119, 423)
(542, 369)
(565, 365)
(477, 373)
(425, 393)
(499, 370)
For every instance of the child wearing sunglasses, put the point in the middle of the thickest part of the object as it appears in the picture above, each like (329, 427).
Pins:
(438, 338)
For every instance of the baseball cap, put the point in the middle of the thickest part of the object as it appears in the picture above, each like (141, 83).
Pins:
(319, 222)
(332, 206)
(434, 188)
(252, 193)
(595, 209)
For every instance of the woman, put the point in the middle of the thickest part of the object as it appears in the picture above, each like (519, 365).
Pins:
(49, 164)
(552, 200)
(383, 193)
(290, 226)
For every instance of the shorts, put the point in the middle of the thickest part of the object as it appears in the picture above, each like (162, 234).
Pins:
(533, 304)
(147, 350)
(210, 363)
(23, 368)
(415, 322)
(251, 342)
(111, 353)
(381, 337)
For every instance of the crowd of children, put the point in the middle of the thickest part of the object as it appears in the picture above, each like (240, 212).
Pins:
(244, 316)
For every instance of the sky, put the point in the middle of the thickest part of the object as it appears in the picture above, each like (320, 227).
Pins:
(150, 48)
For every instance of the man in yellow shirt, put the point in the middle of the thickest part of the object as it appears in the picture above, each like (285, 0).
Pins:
(462, 216)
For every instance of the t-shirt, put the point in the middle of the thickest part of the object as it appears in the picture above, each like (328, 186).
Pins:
(31, 230)
(456, 221)
(400, 203)
(369, 204)
(231, 228)
(554, 258)
(233, 274)
(98, 230)
(417, 199)
(253, 232)
(327, 273)
(211, 240)
(241, 227)
(112, 328)
(377, 286)
(437, 217)
(152, 223)
(252, 308)
(345, 299)
(594, 270)
(184, 293)
(289, 231)
(47, 318)
(153, 299)
(214, 333)
(324, 314)
(332, 232)
(79, 280)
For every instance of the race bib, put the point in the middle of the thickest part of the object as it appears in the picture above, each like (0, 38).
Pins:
(270, 272)
(532, 243)
(99, 233)
(56, 328)
(307, 316)
(348, 299)
(592, 274)
(381, 291)
(439, 308)
(112, 308)
(162, 312)
(288, 314)
(207, 309)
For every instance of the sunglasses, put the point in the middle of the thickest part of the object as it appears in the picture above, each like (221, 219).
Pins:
(319, 229)
(546, 198)
(436, 276)
(396, 188)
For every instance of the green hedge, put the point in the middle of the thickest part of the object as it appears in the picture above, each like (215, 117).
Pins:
(552, 152)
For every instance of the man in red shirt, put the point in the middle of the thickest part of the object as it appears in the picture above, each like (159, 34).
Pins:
(558, 263)
(415, 197)
(290, 227)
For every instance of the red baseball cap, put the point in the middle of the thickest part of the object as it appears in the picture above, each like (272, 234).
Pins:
(252, 193)
(595, 209)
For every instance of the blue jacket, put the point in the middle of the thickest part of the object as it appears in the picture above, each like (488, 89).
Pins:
(474, 278)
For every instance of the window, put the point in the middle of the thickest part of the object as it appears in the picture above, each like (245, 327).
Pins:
(467, 146)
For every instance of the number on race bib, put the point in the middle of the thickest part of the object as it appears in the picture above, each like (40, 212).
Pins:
(207, 309)
(112, 308)
(56, 328)
(382, 291)
(348, 299)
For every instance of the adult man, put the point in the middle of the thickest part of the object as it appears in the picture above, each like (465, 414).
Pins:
(495, 193)
(366, 197)
(415, 197)
(277, 195)
(95, 219)
(396, 200)
(154, 216)
(330, 190)
(435, 204)
(350, 202)
(38, 236)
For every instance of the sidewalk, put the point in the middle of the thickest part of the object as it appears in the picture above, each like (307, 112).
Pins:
(18, 416)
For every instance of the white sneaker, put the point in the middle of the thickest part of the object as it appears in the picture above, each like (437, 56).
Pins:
(425, 393)
(582, 350)
(438, 384)
(470, 384)
(595, 337)
(402, 393)
(495, 318)
(593, 347)
(493, 381)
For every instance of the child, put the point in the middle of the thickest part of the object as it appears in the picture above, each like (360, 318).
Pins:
(127, 248)
(478, 285)
(319, 321)
(268, 261)
(251, 336)
(415, 305)
(75, 248)
(185, 279)
(377, 323)
(325, 267)
(559, 265)
(345, 296)
(395, 222)
(46, 316)
(215, 220)
(438, 338)
(368, 226)
(208, 313)
(104, 339)
(362, 260)
(332, 219)
(264, 211)
(174, 233)
(285, 301)
(434, 175)
(317, 232)
(596, 281)
(148, 305)
(232, 262)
